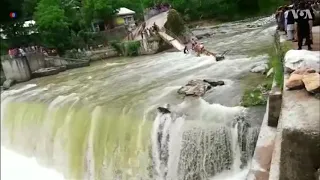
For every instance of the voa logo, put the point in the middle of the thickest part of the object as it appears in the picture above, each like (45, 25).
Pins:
(302, 13)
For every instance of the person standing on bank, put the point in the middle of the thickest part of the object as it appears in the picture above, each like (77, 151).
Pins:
(302, 19)
(290, 24)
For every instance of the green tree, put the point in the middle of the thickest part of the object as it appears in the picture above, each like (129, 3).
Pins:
(53, 25)
(100, 9)
(175, 23)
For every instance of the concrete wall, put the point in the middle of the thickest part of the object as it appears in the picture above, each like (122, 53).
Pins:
(102, 54)
(55, 62)
(36, 60)
(296, 155)
(261, 161)
(16, 69)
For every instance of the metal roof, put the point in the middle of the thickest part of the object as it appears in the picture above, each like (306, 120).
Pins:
(125, 11)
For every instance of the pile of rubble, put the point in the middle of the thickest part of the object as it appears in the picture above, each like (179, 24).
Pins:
(304, 69)
(304, 78)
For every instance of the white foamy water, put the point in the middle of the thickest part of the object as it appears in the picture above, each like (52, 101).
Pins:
(17, 167)
(232, 175)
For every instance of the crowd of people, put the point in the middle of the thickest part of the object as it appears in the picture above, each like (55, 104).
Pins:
(22, 51)
(296, 20)
(198, 48)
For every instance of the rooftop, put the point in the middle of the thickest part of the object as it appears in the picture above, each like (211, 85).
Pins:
(125, 11)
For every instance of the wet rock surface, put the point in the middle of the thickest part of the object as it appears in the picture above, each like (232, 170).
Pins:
(198, 87)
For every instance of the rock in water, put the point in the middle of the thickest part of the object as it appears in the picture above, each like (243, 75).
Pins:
(195, 88)
(214, 83)
(8, 83)
(163, 110)
(312, 82)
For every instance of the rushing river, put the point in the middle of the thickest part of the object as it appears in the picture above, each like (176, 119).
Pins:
(100, 122)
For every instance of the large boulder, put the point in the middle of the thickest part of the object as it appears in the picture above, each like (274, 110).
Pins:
(295, 81)
(312, 82)
(195, 88)
(302, 59)
(198, 87)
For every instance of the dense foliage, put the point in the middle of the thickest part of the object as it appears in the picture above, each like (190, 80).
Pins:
(127, 48)
(64, 24)
(52, 24)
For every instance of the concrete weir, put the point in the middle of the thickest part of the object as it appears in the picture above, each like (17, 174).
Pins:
(296, 155)
(288, 148)
(261, 161)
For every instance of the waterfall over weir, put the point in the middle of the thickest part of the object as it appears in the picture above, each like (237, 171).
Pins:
(196, 150)
(196, 141)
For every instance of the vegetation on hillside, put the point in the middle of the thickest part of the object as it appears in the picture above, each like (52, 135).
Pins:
(127, 48)
(62, 23)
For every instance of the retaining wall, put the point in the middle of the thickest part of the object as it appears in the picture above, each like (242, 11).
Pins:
(16, 69)
(296, 154)
(262, 158)
(36, 61)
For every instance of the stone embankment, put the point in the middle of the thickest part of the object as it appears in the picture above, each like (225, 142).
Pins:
(35, 64)
(288, 146)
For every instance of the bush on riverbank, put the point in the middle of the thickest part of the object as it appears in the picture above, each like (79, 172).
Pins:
(256, 90)
(127, 48)
(255, 95)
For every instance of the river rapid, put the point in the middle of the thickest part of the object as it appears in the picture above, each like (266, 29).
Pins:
(100, 122)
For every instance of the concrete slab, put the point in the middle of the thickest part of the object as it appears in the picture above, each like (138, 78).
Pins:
(261, 161)
(159, 19)
(296, 153)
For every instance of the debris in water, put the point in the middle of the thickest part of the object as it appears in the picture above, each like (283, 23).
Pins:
(164, 110)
